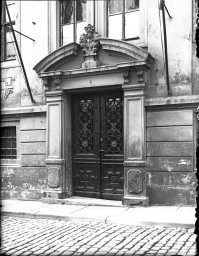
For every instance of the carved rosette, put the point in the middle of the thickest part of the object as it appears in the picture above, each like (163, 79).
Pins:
(90, 43)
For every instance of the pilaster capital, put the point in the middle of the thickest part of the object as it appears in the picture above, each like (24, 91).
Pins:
(126, 76)
(134, 90)
(54, 96)
(57, 83)
(140, 75)
(46, 83)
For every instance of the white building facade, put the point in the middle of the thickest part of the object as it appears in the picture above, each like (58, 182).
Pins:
(103, 122)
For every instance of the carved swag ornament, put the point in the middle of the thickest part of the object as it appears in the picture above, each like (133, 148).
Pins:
(90, 43)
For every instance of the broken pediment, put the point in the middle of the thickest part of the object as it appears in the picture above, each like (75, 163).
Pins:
(93, 52)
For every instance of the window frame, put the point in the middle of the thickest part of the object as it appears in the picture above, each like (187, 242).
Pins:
(11, 63)
(97, 11)
(73, 23)
(5, 27)
(12, 161)
(123, 13)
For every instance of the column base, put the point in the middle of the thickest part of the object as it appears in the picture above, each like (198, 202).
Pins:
(135, 200)
(53, 194)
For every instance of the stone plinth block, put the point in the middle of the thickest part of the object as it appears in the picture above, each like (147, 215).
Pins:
(53, 177)
(134, 182)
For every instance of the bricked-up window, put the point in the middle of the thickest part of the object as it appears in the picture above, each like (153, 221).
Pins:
(7, 43)
(8, 143)
(73, 15)
(123, 19)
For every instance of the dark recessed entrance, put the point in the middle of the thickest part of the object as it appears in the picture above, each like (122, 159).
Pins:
(97, 132)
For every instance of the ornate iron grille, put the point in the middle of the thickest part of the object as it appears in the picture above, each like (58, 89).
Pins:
(85, 126)
(113, 126)
(8, 143)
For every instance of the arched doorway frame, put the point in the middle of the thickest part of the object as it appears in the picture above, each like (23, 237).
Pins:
(131, 76)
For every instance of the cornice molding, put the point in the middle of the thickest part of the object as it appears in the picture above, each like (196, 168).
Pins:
(136, 56)
(174, 100)
(128, 49)
(54, 57)
(23, 111)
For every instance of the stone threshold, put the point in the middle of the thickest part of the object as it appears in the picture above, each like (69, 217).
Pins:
(76, 200)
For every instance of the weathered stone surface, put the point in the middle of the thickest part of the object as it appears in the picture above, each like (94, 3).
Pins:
(169, 117)
(33, 123)
(170, 195)
(180, 149)
(33, 160)
(32, 148)
(53, 176)
(23, 183)
(33, 136)
(135, 200)
(174, 133)
(134, 127)
(171, 188)
(172, 179)
(134, 181)
(170, 164)
(25, 172)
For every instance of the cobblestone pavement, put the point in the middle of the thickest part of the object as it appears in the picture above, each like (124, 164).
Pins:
(26, 236)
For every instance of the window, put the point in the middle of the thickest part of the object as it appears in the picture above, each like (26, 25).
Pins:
(123, 19)
(8, 143)
(7, 43)
(73, 15)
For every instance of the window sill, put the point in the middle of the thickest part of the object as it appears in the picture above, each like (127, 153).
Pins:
(10, 163)
(9, 64)
(131, 39)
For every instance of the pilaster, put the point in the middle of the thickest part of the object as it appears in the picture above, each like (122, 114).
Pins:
(56, 160)
(134, 145)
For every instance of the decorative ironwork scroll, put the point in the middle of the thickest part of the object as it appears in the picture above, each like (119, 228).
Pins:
(113, 126)
(85, 126)
(90, 43)
(197, 111)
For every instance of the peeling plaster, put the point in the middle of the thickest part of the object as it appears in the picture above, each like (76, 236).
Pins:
(149, 178)
(168, 167)
(184, 162)
(8, 172)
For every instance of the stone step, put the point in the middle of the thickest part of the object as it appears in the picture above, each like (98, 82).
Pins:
(76, 200)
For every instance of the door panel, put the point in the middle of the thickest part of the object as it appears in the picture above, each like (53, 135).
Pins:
(86, 158)
(85, 179)
(112, 181)
(98, 146)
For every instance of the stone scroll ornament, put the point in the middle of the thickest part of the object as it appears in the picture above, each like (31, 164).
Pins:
(8, 87)
(90, 43)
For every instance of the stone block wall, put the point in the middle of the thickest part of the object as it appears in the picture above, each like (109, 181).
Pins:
(26, 177)
(170, 157)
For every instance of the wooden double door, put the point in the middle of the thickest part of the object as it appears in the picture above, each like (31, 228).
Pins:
(97, 137)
